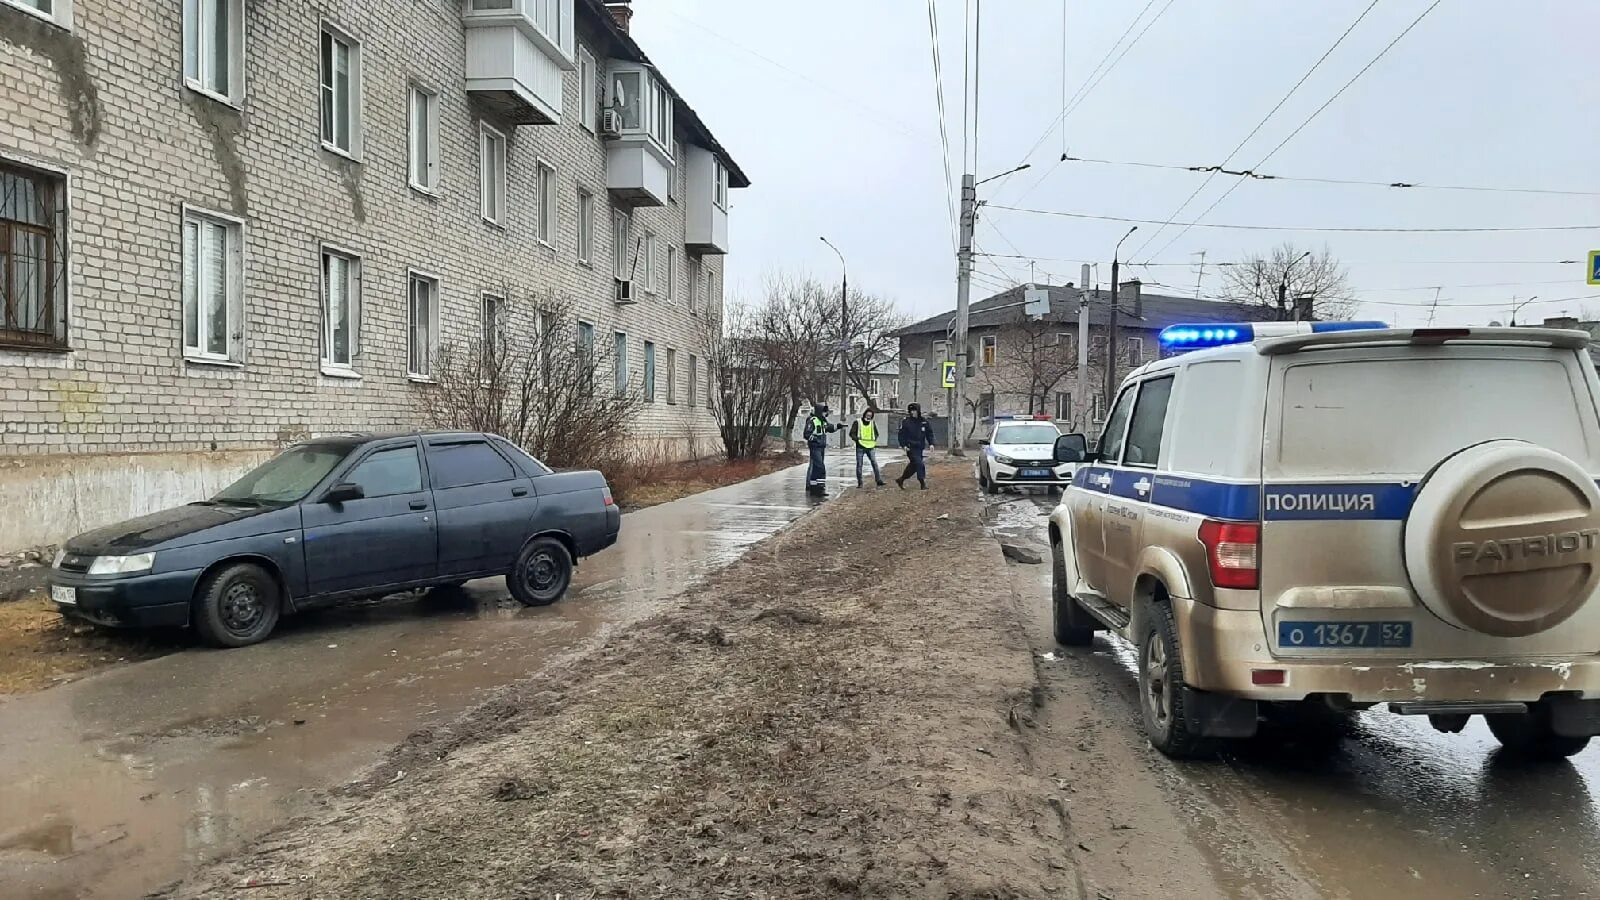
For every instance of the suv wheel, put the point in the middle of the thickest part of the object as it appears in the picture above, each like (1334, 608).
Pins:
(1164, 698)
(1530, 736)
(237, 606)
(542, 572)
(1073, 627)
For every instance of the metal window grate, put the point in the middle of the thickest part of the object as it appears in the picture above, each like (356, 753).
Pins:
(33, 258)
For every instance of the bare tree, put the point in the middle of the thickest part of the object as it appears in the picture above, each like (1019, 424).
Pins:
(1316, 279)
(749, 391)
(869, 326)
(797, 320)
(532, 378)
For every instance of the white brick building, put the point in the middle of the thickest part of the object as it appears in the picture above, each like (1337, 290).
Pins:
(226, 225)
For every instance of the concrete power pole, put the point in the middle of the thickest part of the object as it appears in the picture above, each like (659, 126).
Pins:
(1111, 334)
(1083, 350)
(844, 336)
(969, 212)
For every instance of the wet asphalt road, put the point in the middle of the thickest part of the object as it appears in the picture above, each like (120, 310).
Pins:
(1397, 810)
(118, 783)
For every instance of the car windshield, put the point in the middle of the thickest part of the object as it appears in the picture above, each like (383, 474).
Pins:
(1026, 434)
(285, 478)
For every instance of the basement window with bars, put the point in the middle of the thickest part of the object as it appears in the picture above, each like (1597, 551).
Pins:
(33, 258)
(213, 308)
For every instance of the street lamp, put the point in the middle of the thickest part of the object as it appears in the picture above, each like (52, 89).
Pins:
(1111, 334)
(1004, 174)
(1518, 306)
(1283, 285)
(844, 315)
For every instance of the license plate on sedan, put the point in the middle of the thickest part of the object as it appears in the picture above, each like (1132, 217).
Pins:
(1034, 473)
(64, 595)
(1336, 635)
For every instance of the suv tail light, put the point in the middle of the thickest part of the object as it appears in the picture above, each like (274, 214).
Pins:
(1234, 551)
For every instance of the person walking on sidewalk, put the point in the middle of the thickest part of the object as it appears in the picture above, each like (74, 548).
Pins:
(816, 434)
(916, 436)
(865, 434)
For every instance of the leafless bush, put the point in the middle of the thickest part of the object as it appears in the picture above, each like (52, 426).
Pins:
(749, 391)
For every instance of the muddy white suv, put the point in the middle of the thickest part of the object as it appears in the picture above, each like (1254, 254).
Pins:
(1298, 521)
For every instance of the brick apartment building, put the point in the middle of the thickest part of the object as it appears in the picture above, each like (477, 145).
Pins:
(226, 226)
(1018, 364)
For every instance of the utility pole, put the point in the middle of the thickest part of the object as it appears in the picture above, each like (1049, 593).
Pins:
(969, 214)
(844, 335)
(1283, 286)
(1111, 335)
(1083, 350)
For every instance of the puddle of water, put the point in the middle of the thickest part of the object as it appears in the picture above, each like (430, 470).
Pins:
(124, 780)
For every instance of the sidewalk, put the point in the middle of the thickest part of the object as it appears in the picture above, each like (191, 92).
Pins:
(840, 713)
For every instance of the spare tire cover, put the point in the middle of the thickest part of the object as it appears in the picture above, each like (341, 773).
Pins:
(1504, 539)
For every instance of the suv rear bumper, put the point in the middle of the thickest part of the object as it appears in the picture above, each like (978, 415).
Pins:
(1222, 649)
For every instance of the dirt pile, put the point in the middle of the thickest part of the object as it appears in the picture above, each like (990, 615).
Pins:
(839, 714)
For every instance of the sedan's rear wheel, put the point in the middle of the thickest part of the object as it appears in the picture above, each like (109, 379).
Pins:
(236, 606)
(542, 572)
(1529, 735)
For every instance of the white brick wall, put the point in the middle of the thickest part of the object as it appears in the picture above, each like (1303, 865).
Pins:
(156, 146)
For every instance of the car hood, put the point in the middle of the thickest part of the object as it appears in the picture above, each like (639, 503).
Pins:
(1026, 451)
(176, 527)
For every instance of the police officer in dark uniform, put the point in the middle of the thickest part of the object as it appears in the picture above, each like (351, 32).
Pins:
(816, 433)
(916, 438)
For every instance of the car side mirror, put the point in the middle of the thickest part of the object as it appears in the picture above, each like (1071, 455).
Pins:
(1072, 448)
(983, 442)
(343, 492)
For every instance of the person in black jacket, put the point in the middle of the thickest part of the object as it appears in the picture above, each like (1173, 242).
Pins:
(916, 436)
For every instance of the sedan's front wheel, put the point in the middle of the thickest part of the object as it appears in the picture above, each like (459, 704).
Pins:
(542, 573)
(236, 606)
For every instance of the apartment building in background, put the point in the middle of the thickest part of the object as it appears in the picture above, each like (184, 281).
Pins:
(226, 226)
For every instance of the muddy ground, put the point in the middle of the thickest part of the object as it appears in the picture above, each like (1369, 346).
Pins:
(841, 713)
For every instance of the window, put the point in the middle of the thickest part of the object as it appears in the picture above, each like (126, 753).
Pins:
(547, 203)
(341, 293)
(465, 464)
(212, 287)
(989, 345)
(695, 268)
(1111, 437)
(422, 325)
(649, 372)
(672, 376)
(1067, 341)
(424, 144)
(713, 295)
(588, 89)
(876, 386)
(1064, 407)
(650, 261)
(694, 379)
(711, 387)
(33, 258)
(619, 353)
(643, 105)
(585, 341)
(941, 350)
(213, 47)
(341, 92)
(621, 237)
(1149, 420)
(388, 472)
(492, 174)
(661, 115)
(1136, 351)
(719, 183)
(57, 11)
(585, 226)
(672, 274)
(492, 315)
(628, 100)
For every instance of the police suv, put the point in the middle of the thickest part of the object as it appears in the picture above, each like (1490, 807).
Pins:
(1295, 522)
(1021, 451)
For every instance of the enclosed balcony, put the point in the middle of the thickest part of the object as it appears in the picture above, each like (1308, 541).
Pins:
(517, 53)
(706, 201)
(638, 124)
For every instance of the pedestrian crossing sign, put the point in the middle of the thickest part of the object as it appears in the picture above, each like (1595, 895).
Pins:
(1594, 266)
(949, 375)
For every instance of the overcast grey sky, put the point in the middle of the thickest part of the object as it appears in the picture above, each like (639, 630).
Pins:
(829, 105)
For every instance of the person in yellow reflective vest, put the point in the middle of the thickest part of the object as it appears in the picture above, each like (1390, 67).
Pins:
(865, 434)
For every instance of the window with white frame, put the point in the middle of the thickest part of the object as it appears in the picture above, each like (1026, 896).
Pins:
(1136, 351)
(672, 375)
(1064, 406)
(693, 384)
(492, 174)
(422, 325)
(585, 226)
(876, 385)
(57, 11)
(588, 89)
(341, 308)
(621, 241)
(644, 106)
(989, 352)
(213, 284)
(341, 92)
(546, 175)
(719, 183)
(619, 355)
(492, 317)
(552, 19)
(711, 386)
(585, 342)
(695, 267)
(672, 274)
(650, 266)
(661, 115)
(713, 295)
(213, 47)
(649, 372)
(424, 142)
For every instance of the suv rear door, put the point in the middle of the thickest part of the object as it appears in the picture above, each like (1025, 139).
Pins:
(485, 505)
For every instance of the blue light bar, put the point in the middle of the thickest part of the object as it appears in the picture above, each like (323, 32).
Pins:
(1194, 337)
(1320, 327)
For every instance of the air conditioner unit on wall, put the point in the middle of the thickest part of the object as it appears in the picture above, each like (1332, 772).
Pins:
(610, 122)
(624, 290)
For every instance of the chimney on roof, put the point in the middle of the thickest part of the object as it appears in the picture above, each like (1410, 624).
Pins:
(1128, 297)
(622, 12)
(1305, 308)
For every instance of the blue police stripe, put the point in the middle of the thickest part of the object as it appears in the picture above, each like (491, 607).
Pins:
(1297, 502)
(1389, 501)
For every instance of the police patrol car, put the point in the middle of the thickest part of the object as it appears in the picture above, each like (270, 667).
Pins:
(1298, 521)
(1021, 451)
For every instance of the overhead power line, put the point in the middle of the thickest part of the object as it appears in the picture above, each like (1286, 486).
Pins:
(1259, 125)
(944, 134)
(1262, 176)
(1403, 304)
(1308, 120)
(1320, 228)
(1364, 262)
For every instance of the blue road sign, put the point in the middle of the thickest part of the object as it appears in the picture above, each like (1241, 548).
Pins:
(1594, 266)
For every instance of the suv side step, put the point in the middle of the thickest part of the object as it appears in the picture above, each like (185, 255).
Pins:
(1105, 611)
(1454, 708)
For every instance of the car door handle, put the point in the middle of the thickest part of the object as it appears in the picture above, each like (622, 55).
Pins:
(519, 492)
(419, 504)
